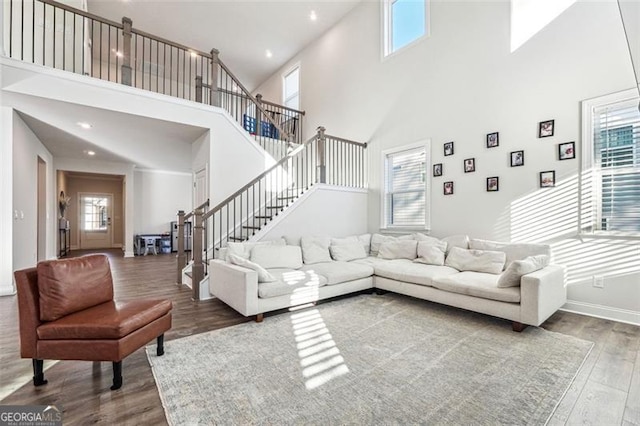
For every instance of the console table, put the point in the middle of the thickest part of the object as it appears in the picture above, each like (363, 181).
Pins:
(64, 242)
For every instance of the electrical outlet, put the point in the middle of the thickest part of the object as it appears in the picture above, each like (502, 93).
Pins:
(598, 281)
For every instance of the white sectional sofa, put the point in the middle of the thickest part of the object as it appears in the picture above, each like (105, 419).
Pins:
(510, 281)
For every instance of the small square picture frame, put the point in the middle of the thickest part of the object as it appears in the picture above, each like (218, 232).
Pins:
(546, 128)
(437, 170)
(448, 149)
(548, 179)
(493, 184)
(517, 158)
(566, 151)
(493, 140)
(447, 188)
(469, 165)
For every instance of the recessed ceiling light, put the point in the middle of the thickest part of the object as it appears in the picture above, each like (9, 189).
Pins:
(313, 15)
(84, 125)
(91, 153)
(268, 53)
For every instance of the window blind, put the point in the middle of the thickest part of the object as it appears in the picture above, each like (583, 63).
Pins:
(405, 197)
(616, 154)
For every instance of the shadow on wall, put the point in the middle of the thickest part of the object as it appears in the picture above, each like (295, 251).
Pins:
(550, 216)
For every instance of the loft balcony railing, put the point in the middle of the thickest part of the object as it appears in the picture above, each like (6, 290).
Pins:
(51, 34)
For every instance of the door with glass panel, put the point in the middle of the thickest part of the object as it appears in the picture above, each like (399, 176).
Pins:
(95, 221)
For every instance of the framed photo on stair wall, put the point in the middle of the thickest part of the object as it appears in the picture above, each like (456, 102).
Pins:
(448, 149)
(437, 170)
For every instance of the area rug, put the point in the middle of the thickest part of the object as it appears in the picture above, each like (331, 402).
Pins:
(368, 359)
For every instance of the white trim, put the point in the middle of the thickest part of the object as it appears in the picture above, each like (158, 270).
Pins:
(165, 172)
(600, 311)
(386, 30)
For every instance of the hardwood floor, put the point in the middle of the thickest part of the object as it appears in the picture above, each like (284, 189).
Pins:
(606, 391)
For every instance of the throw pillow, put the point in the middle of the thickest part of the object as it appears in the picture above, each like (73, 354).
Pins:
(431, 254)
(315, 249)
(461, 241)
(263, 275)
(399, 249)
(378, 239)
(272, 256)
(514, 251)
(244, 249)
(490, 262)
(347, 252)
(511, 276)
(364, 239)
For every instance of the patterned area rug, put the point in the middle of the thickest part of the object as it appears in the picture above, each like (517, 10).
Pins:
(368, 360)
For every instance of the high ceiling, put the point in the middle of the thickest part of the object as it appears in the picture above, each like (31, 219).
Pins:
(241, 30)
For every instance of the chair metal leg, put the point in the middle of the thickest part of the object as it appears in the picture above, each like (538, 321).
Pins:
(160, 348)
(117, 375)
(38, 373)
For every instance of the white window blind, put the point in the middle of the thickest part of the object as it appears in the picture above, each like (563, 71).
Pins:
(291, 95)
(611, 186)
(405, 188)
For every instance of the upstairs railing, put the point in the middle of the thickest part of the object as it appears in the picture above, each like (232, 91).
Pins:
(52, 34)
(321, 159)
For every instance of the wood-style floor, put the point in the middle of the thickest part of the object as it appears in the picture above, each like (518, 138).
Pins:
(606, 391)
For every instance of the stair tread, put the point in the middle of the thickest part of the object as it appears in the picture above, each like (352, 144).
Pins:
(263, 217)
(237, 239)
(275, 207)
(287, 198)
(251, 227)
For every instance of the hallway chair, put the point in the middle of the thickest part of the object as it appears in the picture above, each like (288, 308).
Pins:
(67, 312)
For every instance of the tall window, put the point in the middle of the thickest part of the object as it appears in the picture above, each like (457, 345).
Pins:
(610, 181)
(94, 213)
(405, 187)
(404, 22)
(291, 89)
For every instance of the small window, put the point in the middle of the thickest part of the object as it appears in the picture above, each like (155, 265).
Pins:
(291, 89)
(405, 186)
(405, 21)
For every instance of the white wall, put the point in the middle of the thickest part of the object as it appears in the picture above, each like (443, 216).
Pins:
(26, 150)
(463, 82)
(6, 202)
(159, 196)
(310, 215)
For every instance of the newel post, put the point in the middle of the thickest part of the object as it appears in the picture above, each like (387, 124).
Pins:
(182, 258)
(214, 98)
(197, 269)
(126, 51)
(258, 115)
(199, 88)
(322, 158)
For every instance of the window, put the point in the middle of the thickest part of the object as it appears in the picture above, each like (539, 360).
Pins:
(405, 187)
(94, 213)
(291, 89)
(610, 182)
(404, 22)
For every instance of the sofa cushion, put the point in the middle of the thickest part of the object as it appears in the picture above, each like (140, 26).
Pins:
(477, 284)
(398, 249)
(513, 251)
(289, 281)
(430, 254)
(370, 260)
(272, 256)
(487, 261)
(315, 249)
(364, 239)
(415, 273)
(263, 275)
(461, 241)
(71, 285)
(244, 249)
(340, 272)
(348, 251)
(511, 276)
(378, 239)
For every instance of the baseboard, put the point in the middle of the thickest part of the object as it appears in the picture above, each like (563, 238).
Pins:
(7, 291)
(604, 312)
(128, 254)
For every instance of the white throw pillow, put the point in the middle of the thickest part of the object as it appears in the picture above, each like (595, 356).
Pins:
(315, 249)
(244, 249)
(511, 276)
(272, 256)
(378, 239)
(347, 252)
(399, 249)
(431, 254)
(514, 251)
(263, 275)
(364, 239)
(490, 262)
(461, 241)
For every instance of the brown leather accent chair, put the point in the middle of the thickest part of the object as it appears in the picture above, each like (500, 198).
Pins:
(67, 312)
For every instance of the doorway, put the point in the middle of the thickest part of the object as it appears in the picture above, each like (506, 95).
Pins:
(42, 210)
(94, 219)
(200, 191)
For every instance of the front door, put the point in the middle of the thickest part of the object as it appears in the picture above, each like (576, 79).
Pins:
(95, 221)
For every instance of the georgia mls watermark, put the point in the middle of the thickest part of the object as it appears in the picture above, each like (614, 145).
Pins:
(30, 415)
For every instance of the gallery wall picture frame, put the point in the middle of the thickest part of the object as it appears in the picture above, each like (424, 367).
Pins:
(546, 128)
(469, 165)
(493, 184)
(448, 149)
(566, 151)
(517, 158)
(493, 140)
(548, 179)
(437, 170)
(447, 188)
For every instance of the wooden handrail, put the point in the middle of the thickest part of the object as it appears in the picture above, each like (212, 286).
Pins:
(201, 206)
(283, 107)
(82, 13)
(335, 138)
(170, 43)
